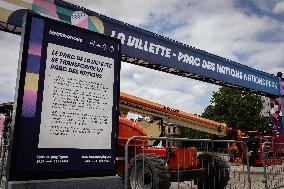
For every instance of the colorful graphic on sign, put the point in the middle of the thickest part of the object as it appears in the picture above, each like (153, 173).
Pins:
(12, 12)
(33, 68)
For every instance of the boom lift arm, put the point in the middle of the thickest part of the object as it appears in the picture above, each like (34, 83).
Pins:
(129, 103)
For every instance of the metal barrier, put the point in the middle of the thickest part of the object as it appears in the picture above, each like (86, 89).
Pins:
(3, 160)
(273, 164)
(4, 145)
(139, 169)
(270, 175)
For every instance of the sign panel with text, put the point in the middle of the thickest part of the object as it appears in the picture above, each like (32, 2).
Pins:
(66, 104)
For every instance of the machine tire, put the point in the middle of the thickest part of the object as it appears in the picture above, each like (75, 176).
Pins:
(156, 173)
(216, 174)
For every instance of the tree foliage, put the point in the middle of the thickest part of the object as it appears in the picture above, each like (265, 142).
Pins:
(194, 134)
(240, 110)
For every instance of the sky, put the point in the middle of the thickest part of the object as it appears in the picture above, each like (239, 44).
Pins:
(250, 32)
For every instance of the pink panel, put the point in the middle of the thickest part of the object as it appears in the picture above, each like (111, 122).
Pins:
(83, 24)
(2, 121)
(34, 49)
(29, 103)
(282, 87)
(45, 4)
(49, 5)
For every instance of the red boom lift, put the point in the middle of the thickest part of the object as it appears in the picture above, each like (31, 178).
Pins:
(160, 166)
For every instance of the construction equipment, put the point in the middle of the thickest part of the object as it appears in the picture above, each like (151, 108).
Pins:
(254, 141)
(160, 166)
(165, 121)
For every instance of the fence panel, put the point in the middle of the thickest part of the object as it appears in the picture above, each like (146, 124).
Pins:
(273, 164)
(3, 160)
(193, 163)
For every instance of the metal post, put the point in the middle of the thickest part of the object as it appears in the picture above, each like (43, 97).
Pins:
(178, 166)
(264, 165)
(126, 166)
(248, 166)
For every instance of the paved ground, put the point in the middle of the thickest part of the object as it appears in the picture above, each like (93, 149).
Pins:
(239, 178)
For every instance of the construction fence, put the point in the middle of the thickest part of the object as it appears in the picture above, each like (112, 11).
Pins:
(4, 143)
(217, 164)
(191, 167)
(273, 164)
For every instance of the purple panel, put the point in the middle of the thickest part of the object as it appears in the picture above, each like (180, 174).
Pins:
(37, 30)
(282, 107)
(29, 103)
(33, 64)
(282, 87)
(277, 119)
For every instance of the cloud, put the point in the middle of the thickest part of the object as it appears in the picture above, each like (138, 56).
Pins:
(170, 90)
(279, 8)
(233, 34)
(221, 27)
(9, 55)
(133, 12)
(167, 89)
(263, 6)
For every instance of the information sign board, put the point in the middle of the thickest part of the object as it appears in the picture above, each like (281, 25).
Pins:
(66, 104)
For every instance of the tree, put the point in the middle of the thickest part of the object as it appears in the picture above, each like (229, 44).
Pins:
(239, 109)
(194, 134)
